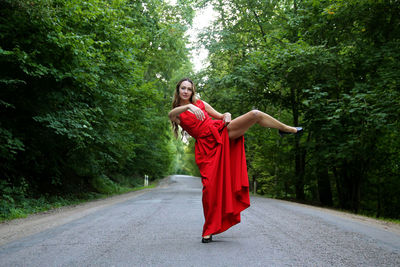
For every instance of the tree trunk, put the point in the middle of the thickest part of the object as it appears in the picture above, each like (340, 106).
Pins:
(299, 169)
(299, 151)
(355, 198)
(379, 205)
(339, 188)
(324, 186)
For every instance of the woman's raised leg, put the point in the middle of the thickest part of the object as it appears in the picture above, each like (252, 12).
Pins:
(241, 124)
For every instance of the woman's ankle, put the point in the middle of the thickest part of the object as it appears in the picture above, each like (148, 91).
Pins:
(289, 129)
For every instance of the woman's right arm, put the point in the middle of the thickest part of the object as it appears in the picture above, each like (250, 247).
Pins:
(174, 113)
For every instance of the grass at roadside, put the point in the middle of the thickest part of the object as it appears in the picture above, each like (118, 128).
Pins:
(26, 206)
(397, 221)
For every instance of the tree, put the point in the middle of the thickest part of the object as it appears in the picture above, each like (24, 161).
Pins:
(84, 92)
(326, 65)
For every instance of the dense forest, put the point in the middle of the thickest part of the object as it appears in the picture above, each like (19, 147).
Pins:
(86, 87)
(329, 66)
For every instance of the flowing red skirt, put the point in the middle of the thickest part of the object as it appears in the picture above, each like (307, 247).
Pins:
(222, 164)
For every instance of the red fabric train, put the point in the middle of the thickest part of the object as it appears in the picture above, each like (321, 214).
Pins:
(222, 165)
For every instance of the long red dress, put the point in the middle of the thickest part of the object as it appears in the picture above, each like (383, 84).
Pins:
(222, 165)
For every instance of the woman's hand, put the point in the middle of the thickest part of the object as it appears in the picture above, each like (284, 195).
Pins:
(227, 118)
(197, 112)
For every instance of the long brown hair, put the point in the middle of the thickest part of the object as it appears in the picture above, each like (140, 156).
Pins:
(176, 101)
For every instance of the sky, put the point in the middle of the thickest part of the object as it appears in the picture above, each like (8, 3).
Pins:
(202, 19)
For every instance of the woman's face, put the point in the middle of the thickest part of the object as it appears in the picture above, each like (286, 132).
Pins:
(185, 91)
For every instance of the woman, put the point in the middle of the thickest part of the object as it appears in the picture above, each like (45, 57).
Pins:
(220, 155)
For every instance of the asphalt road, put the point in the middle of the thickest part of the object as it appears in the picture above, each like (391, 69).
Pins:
(162, 227)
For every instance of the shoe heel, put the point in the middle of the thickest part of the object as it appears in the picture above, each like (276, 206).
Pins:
(299, 132)
(206, 240)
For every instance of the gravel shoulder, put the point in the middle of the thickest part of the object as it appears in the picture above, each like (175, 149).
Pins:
(386, 225)
(19, 228)
(36, 223)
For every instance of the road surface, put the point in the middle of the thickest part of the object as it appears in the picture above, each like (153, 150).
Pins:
(162, 227)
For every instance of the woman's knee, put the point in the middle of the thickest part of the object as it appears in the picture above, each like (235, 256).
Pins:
(255, 114)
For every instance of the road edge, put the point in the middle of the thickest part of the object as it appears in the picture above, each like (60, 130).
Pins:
(385, 225)
(35, 223)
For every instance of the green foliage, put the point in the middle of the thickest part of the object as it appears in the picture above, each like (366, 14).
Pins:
(330, 66)
(104, 185)
(84, 88)
(190, 166)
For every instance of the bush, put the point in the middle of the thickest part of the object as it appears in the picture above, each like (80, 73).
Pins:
(104, 185)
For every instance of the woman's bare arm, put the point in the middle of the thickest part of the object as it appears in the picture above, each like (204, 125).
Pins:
(216, 115)
(174, 113)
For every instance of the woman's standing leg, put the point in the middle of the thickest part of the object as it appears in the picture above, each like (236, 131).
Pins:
(241, 124)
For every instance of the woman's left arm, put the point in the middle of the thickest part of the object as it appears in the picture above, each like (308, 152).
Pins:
(216, 115)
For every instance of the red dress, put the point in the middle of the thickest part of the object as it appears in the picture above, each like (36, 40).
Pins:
(222, 165)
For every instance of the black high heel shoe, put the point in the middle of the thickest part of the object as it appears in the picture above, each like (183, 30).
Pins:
(299, 131)
(206, 240)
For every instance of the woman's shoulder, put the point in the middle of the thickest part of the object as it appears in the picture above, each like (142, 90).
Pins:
(199, 103)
